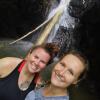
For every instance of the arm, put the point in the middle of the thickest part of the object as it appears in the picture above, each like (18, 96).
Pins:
(7, 65)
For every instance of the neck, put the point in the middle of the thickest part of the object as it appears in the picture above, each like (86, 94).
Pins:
(25, 78)
(26, 71)
(55, 91)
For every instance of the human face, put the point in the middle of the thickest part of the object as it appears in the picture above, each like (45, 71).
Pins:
(67, 71)
(37, 60)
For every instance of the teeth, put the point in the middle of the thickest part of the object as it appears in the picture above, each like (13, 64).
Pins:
(35, 67)
(58, 77)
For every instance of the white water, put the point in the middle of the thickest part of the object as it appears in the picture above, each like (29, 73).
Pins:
(65, 20)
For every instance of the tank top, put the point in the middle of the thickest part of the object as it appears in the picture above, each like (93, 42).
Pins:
(9, 89)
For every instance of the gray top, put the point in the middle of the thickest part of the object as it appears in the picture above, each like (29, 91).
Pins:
(37, 95)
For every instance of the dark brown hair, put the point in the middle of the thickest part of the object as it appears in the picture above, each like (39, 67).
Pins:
(51, 48)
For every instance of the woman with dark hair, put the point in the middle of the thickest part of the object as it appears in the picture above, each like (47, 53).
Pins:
(17, 76)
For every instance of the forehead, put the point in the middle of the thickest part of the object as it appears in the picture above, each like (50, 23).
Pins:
(73, 62)
(38, 49)
(40, 52)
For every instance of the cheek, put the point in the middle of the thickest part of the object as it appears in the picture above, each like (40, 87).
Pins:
(69, 78)
(42, 65)
(53, 76)
(31, 58)
(58, 67)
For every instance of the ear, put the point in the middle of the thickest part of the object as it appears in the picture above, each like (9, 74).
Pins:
(76, 82)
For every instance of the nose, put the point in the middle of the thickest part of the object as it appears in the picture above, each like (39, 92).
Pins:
(62, 72)
(37, 61)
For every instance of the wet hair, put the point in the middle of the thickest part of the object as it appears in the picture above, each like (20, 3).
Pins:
(83, 59)
(51, 48)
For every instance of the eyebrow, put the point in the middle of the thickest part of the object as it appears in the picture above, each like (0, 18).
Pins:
(70, 69)
(63, 63)
(36, 56)
(40, 59)
(43, 61)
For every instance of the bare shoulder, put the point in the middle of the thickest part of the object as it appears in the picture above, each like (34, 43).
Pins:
(9, 60)
(7, 65)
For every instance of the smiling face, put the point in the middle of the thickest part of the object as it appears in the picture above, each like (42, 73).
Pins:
(37, 60)
(67, 71)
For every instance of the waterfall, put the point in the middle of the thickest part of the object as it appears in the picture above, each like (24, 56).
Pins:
(65, 20)
(60, 23)
(59, 17)
(62, 32)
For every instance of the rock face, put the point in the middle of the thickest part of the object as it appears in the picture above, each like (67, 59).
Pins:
(17, 17)
(89, 28)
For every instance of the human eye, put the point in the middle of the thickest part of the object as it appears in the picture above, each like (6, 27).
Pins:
(71, 72)
(62, 64)
(43, 62)
(36, 57)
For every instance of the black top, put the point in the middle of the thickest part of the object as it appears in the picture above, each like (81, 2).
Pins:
(9, 89)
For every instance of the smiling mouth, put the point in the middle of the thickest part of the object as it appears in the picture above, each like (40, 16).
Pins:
(58, 76)
(35, 68)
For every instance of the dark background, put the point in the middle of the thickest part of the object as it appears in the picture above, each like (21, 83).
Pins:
(17, 17)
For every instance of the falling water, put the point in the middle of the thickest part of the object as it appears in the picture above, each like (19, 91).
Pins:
(59, 26)
(66, 20)
(62, 32)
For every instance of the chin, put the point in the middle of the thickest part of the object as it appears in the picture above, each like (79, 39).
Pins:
(31, 70)
(55, 82)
